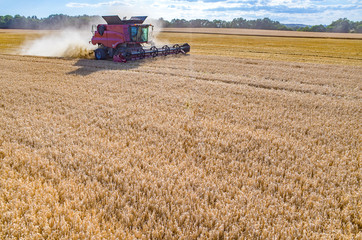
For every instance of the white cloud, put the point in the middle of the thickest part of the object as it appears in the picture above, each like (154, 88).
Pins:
(285, 11)
(96, 5)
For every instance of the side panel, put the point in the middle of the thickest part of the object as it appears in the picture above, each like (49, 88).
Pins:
(98, 39)
(112, 36)
(126, 33)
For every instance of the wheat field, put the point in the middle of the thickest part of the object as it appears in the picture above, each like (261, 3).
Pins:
(265, 33)
(198, 146)
(282, 48)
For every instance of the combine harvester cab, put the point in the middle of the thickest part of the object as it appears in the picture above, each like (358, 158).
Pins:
(124, 40)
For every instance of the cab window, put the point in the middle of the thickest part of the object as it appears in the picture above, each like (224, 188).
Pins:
(139, 34)
(144, 36)
(134, 31)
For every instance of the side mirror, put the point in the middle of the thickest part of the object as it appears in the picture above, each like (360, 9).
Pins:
(94, 28)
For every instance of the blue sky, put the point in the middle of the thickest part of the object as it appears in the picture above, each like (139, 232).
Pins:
(285, 11)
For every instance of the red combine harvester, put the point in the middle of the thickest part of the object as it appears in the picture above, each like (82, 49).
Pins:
(123, 40)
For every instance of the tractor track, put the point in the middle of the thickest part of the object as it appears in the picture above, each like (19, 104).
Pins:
(193, 67)
(254, 85)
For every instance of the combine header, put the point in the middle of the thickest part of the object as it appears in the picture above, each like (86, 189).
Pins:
(123, 40)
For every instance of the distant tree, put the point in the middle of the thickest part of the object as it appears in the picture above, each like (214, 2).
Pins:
(304, 29)
(239, 23)
(218, 23)
(317, 28)
(179, 23)
(163, 22)
(199, 23)
(342, 25)
(266, 23)
(2, 22)
(18, 22)
(355, 27)
(284, 28)
(358, 28)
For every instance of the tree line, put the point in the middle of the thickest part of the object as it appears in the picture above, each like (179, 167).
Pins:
(342, 25)
(54, 21)
(265, 23)
(58, 21)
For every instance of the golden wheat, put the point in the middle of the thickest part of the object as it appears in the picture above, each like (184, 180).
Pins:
(181, 147)
(313, 50)
(265, 33)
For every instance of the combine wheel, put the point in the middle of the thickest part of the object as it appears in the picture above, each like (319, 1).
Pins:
(154, 51)
(141, 53)
(166, 50)
(177, 48)
(100, 53)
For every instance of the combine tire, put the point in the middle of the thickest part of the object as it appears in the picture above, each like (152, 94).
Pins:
(154, 51)
(166, 50)
(141, 53)
(100, 54)
(177, 49)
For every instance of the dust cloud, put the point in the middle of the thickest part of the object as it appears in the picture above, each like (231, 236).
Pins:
(70, 43)
(74, 43)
